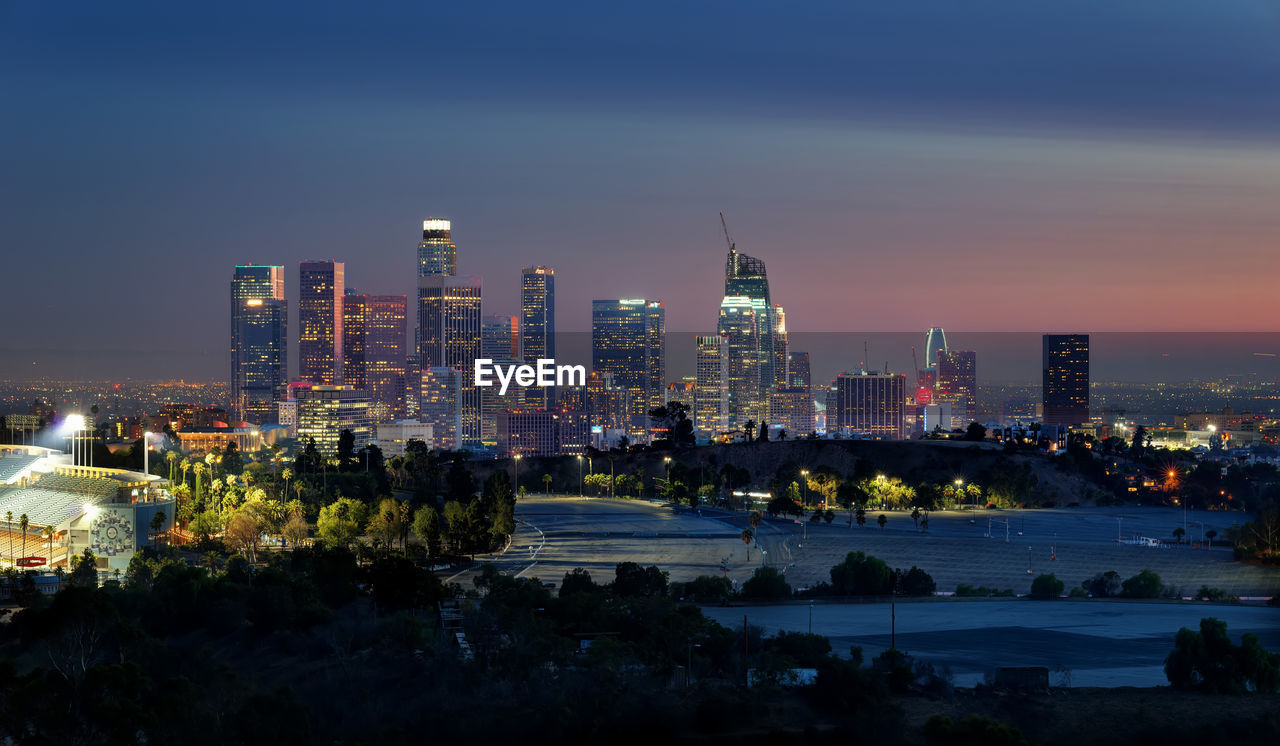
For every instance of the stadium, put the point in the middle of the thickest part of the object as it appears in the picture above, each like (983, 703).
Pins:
(69, 508)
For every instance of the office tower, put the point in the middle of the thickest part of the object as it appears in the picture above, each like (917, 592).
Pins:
(259, 343)
(437, 254)
(325, 411)
(542, 432)
(628, 340)
(440, 405)
(711, 397)
(781, 347)
(798, 370)
(538, 326)
(1065, 384)
(394, 437)
(449, 336)
(354, 313)
(374, 358)
(870, 405)
(608, 404)
(791, 408)
(412, 381)
(500, 338)
(747, 319)
(320, 287)
(957, 383)
(935, 342)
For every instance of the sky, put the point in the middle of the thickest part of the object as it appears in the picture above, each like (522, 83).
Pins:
(987, 166)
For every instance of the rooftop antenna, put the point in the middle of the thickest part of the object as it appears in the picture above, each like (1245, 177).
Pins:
(728, 239)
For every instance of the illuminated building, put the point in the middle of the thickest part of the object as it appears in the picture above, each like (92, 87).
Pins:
(1065, 382)
(437, 254)
(538, 325)
(439, 405)
(500, 338)
(204, 440)
(798, 370)
(747, 319)
(394, 437)
(259, 347)
(320, 287)
(711, 398)
(608, 404)
(791, 408)
(449, 336)
(374, 351)
(542, 432)
(189, 416)
(325, 411)
(781, 347)
(628, 341)
(935, 343)
(958, 383)
(869, 405)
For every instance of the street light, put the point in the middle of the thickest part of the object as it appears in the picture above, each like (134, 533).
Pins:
(804, 473)
(579, 476)
(517, 485)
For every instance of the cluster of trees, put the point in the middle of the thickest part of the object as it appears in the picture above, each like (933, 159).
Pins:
(1109, 584)
(1207, 661)
(859, 574)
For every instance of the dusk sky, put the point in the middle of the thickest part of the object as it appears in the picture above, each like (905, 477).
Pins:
(984, 166)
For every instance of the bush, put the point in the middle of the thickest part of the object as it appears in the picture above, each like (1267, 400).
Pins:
(1046, 586)
(916, 582)
(804, 649)
(861, 575)
(766, 583)
(939, 730)
(1103, 585)
(1145, 584)
(1214, 594)
(965, 590)
(704, 588)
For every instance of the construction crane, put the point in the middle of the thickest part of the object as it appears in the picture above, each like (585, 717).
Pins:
(728, 239)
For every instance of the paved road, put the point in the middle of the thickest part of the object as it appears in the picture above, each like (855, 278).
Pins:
(597, 533)
(1103, 643)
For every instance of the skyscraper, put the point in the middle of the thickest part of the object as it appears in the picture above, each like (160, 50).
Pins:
(1065, 383)
(869, 405)
(748, 320)
(711, 396)
(259, 348)
(374, 353)
(325, 411)
(628, 340)
(320, 287)
(538, 325)
(449, 336)
(935, 342)
(500, 337)
(437, 254)
(957, 383)
(781, 347)
(798, 370)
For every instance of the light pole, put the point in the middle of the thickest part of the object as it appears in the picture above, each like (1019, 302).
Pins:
(579, 476)
(516, 489)
(811, 616)
(666, 464)
(804, 474)
(960, 488)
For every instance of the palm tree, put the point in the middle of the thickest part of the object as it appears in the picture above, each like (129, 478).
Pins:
(882, 520)
(1209, 535)
(157, 526)
(25, 524)
(47, 535)
(286, 475)
(8, 530)
(171, 457)
(184, 465)
(199, 470)
(546, 482)
(1178, 533)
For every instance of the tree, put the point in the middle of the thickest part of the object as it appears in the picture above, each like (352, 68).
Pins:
(24, 523)
(763, 437)
(976, 431)
(1145, 584)
(939, 730)
(1103, 585)
(882, 520)
(750, 429)
(766, 583)
(1139, 442)
(1178, 533)
(916, 582)
(1209, 662)
(860, 574)
(340, 521)
(633, 581)
(384, 525)
(1046, 586)
(861, 515)
(157, 525)
(85, 572)
(294, 530)
(546, 484)
(455, 524)
(346, 450)
(286, 474)
(243, 532)
(784, 505)
(1210, 534)
(829, 516)
(747, 535)
(915, 517)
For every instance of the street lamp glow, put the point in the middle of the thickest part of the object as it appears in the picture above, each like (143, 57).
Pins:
(72, 423)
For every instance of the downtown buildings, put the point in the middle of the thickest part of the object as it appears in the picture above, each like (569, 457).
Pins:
(628, 343)
(259, 342)
(320, 289)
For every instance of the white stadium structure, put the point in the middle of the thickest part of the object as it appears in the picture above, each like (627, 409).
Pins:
(71, 508)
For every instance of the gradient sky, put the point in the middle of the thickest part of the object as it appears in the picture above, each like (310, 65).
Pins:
(983, 165)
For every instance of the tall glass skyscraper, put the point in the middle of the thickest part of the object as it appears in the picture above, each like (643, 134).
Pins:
(935, 342)
(437, 254)
(1065, 382)
(628, 341)
(711, 396)
(748, 321)
(320, 288)
(958, 382)
(259, 348)
(538, 325)
(449, 336)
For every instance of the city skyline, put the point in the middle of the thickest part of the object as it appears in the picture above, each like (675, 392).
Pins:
(1112, 180)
